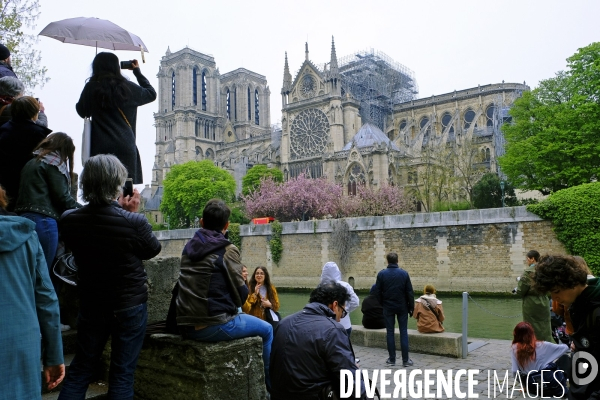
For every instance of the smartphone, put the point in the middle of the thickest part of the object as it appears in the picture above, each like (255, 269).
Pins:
(128, 188)
(126, 64)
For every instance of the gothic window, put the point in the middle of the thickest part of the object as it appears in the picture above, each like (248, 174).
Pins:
(487, 154)
(228, 105)
(249, 110)
(235, 104)
(425, 121)
(308, 134)
(256, 109)
(468, 119)
(195, 86)
(206, 131)
(489, 115)
(446, 118)
(210, 154)
(402, 125)
(173, 90)
(198, 151)
(356, 177)
(196, 128)
(413, 177)
(203, 91)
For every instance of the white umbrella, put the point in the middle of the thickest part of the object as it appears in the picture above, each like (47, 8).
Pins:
(93, 32)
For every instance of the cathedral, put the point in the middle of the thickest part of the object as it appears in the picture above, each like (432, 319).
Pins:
(354, 120)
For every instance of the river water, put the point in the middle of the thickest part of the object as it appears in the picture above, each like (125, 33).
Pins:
(481, 324)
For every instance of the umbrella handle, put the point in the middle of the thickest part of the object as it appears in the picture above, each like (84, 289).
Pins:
(142, 51)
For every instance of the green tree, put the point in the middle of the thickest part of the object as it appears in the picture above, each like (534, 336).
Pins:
(553, 142)
(251, 181)
(187, 188)
(574, 213)
(15, 17)
(487, 193)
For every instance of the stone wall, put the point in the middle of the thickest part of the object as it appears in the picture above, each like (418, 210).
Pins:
(474, 250)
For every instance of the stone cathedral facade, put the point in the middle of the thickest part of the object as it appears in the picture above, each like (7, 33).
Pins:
(354, 120)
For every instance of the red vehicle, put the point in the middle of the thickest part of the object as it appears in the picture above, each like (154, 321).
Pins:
(262, 220)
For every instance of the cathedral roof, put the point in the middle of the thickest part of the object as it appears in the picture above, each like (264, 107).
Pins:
(153, 204)
(370, 135)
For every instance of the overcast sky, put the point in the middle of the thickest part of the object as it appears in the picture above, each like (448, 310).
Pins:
(449, 44)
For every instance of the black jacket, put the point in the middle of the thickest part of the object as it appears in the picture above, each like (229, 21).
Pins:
(309, 349)
(211, 287)
(18, 139)
(111, 134)
(372, 313)
(109, 245)
(585, 314)
(6, 70)
(394, 290)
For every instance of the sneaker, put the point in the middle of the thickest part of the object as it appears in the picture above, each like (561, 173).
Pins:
(390, 362)
(408, 363)
(64, 328)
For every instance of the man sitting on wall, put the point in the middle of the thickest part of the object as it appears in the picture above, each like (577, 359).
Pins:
(311, 347)
(212, 288)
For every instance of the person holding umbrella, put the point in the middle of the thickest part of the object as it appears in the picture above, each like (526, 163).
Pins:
(111, 101)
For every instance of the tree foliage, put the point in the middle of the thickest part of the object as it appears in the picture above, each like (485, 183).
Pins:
(187, 188)
(487, 193)
(302, 198)
(15, 17)
(257, 173)
(553, 142)
(575, 213)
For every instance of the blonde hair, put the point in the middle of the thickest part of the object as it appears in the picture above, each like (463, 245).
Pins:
(429, 289)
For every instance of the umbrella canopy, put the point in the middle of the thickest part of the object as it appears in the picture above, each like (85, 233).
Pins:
(93, 32)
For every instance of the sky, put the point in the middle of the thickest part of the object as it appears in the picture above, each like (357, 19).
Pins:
(448, 44)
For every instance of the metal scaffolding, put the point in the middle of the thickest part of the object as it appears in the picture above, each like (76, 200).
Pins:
(378, 82)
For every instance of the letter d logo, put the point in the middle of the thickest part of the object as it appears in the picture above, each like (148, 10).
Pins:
(584, 368)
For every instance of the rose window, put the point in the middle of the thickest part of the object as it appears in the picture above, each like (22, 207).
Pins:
(309, 134)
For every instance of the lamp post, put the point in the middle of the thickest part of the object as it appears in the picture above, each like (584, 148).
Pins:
(502, 189)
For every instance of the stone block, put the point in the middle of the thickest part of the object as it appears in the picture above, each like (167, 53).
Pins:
(176, 369)
(447, 344)
(162, 276)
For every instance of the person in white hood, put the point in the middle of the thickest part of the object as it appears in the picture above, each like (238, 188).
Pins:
(331, 272)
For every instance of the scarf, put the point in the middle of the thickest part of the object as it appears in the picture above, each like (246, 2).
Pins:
(53, 158)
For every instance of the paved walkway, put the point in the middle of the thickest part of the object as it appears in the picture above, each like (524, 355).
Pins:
(494, 356)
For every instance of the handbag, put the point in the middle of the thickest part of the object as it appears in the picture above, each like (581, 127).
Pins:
(272, 317)
(86, 140)
(65, 268)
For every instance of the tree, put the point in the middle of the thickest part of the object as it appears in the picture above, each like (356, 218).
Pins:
(553, 142)
(187, 188)
(468, 168)
(15, 16)
(256, 174)
(487, 193)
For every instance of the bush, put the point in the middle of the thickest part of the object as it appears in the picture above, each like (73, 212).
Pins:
(575, 213)
(234, 235)
(275, 244)
(158, 227)
(451, 206)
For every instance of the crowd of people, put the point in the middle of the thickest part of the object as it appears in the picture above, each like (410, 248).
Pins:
(303, 354)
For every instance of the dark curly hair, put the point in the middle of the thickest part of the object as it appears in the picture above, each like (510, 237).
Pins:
(328, 292)
(559, 271)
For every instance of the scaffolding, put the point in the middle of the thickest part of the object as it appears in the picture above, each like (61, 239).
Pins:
(378, 83)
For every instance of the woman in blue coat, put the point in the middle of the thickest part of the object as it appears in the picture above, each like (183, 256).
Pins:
(28, 306)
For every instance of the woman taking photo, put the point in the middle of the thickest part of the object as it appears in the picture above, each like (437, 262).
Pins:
(530, 355)
(45, 191)
(112, 101)
(262, 294)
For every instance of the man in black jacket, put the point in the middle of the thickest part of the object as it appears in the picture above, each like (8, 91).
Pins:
(567, 281)
(212, 289)
(395, 292)
(109, 240)
(311, 347)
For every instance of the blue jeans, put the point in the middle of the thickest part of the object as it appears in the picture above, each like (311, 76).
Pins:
(47, 231)
(243, 325)
(389, 317)
(126, 329)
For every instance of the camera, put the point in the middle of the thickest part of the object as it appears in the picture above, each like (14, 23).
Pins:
(127, 64)
(128, 188)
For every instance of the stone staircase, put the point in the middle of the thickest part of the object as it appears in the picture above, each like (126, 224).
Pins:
(97, 390)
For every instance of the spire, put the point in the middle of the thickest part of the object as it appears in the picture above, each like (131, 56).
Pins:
(168, 53)
(306, 51)
(333, 64)
(287, 77)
